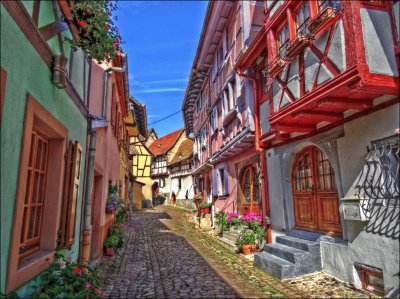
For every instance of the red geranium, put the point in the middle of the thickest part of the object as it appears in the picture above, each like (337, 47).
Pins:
(82, 23)
(78, 271)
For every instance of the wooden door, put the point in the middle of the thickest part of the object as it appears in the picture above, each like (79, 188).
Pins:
(316, 202)
(250, 191)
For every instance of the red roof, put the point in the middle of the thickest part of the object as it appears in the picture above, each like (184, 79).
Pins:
(162, 145)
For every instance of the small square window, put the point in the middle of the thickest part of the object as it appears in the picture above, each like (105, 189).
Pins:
(371, 279)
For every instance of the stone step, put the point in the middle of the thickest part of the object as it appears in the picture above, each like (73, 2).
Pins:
(312, 247)
(228, 244)
(231, 235)
(274, 265)
(288, 253)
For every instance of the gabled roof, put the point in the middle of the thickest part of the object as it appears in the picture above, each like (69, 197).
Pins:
(162, 145)
(184, 151)
(151, 130)
(139, 111)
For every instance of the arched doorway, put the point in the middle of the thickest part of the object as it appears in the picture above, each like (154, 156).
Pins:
(316, 202)
(250, 191)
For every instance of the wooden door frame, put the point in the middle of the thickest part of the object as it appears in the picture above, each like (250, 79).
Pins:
(252, 167)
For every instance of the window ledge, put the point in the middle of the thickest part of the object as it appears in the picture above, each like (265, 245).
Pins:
(223, 196)
(229, 117)
(34, 258)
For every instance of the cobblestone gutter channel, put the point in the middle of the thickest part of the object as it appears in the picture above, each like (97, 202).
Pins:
(165, 257)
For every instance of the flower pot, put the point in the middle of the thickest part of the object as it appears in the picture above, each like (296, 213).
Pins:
(248, 249)
(205, 210)
(109, 251)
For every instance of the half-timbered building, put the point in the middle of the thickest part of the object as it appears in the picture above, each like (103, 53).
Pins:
(162, 150)
(325, 77)
(218, 109)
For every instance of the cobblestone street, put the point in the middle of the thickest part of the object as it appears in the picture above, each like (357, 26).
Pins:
(165, 257)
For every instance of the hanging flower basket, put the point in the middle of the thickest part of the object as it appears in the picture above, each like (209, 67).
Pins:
(98, 35)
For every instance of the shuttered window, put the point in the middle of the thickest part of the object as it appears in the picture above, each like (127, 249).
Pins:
(35, 195)
(71, 193)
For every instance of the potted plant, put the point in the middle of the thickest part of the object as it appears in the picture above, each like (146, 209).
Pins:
(247, 241)
(110, 244)
(235, 221)
(205, 207)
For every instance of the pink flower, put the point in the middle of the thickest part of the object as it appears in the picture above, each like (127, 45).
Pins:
(62, 265)
(78, 271)
(104, 294)
(96, 290)
(88, 285)
(69, 259)
(397, 131)
(82, 23)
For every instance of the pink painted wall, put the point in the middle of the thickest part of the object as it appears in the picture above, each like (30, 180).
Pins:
(106, 159)
(230, 203)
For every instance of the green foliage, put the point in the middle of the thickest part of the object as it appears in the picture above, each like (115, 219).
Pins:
(119, 231)
(198, 196)
(121, 216)
(236, 221)
(112, 241)
(246, 237)
(11, 295)
(205, 205)
(99, 36)
(221, 221)
(68, 279)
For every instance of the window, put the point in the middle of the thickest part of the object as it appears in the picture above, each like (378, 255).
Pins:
(161, 182)
(214, 120)
(371, 278)
(302, 18)
(39, 195)
(283, 38)
(329, 3)
(179, 183)
(221, 182)
(34, 199)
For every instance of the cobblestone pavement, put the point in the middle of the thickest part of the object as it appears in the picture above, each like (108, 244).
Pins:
(165, 257)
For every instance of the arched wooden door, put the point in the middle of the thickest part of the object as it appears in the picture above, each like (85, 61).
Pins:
(316, 202)
(250, 195)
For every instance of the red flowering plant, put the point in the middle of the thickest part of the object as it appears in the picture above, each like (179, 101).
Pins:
(99, 36)
(68, 279)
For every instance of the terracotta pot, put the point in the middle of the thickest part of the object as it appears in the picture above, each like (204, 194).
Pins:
(109, 251)
(206, 210)
(248, 249)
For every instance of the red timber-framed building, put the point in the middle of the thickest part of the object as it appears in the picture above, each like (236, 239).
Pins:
(326, 81)
(218, 109)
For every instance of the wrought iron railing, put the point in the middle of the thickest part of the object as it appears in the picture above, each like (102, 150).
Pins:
(379, 180)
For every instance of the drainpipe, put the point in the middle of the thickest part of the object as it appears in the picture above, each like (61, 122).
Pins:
(261, 152)
(96, 122)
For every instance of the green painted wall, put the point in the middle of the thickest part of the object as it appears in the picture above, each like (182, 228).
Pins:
(27, 73)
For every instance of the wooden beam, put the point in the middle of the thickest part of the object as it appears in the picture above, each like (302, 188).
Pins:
(318, 116)
(345, 103)
(292, 128)
(282, 136)
(52, 29)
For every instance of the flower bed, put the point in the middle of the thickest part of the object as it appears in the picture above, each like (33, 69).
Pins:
(68, 279)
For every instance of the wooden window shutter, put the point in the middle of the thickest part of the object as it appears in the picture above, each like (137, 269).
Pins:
(71, 193)
(226, 179)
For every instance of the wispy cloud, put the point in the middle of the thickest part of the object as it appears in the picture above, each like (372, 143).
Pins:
(154, 115)
(157, 90)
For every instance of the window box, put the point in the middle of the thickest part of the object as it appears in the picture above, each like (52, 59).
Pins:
(276, 66)
(297, 45)
(325, 17)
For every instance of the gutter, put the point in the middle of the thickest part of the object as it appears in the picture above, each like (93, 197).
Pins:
(267, 222)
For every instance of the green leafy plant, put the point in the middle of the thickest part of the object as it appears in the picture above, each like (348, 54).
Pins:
(99, 36)
(198, 196)
(112, 241)
(221, 221)
(11, 295)
(114, 202)
(246, 237)
(205, 205)
(119, 231)
(121, 215)
(68, 279)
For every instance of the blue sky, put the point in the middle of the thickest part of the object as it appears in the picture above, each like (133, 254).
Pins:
(160, 39)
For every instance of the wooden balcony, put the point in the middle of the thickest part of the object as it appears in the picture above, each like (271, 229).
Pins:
(275, 66)
(325, 17)
(301, 41)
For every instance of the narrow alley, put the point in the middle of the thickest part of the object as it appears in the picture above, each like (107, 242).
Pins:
(165, 257)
